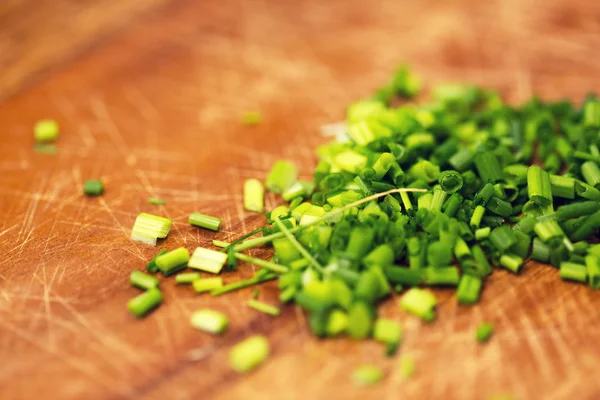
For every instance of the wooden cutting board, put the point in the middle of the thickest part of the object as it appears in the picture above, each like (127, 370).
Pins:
(149, 95)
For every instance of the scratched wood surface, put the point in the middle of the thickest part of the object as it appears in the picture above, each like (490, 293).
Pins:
(148, 96)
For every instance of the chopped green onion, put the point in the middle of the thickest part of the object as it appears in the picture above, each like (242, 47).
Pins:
(208, 284)
(93, 187)
(282, 176)
(142, 280)
(572, 271)
(488, 167)
(337, 323)
(151, 266)
(271, 266)
(147, 228)
(207, 260)
(591, 173)
(209, 321)
(46, 131)
(562, 186)
(587, 228)
(420, 303)
(592, 263)
(205, 221)
(482, 233)
(263, 307)
(503, 238)
(173, 261)
(297, 245)
(45, 148)
(156, 201)
(407, 367)
(254, 195)
(367, 375)
(484, 332)
(539, 186)
(187, 278)
(250, 118)
(450, 181)
(249, 354)
(511, 262)
(145, 302)
(469, 289)
(360, 320)
(241, 284)
(387, 331)
(220, 243)
(441, 276)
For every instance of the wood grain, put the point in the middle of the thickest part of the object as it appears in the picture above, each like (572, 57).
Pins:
(149, 95)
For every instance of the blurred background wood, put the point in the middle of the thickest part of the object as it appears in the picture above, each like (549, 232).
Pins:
(149, 96)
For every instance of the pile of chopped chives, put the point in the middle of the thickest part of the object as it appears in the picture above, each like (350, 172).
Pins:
(411, 196)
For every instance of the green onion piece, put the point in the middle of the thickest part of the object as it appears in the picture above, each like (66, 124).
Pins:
(209, 321)
(45, 148)
(572, 271)
(337, 323)
(461, 249)
(93, 187)
(562, 186)
(220, 243)
(271, 266)
(503, 238)
(452, 205)
(242, 284)
(172, 261)
(208, 284)
(147, 228)
(282, 176)
(251, 118)
(46, 131)
(360, 320)
(288, 294)
(249, 354)
(441, 276)
(488, 167)
(591, 114)
(420, 303)
(263, 307)
(484, 195)
(142, 280)
(387, 331)
(575, 210)
(538, 185)
(205, 221)
(382, 165)
(367, 375)
(380, 255)
(156, 201)
(207, 260)
(151, 266)
(478, 214)
(592, 263)
(450, 181)
(439, 254)
(587, 228)
(511, 262)
(403, 275)
(469, 289)
(586, 191)
(461, 160)
(425, 170)
(526, 224)
(145, 302)
(591, 173)
(484, 332)
(254, 196)
(499, 206)
(187, 278)
(298, 246)
(406, 367)
(481, 261)
(482, 233)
